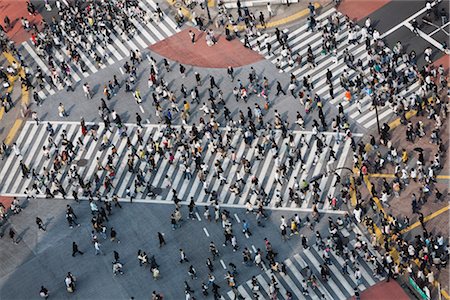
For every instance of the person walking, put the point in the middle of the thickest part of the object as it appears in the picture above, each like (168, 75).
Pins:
(98, 249)
(87, 91)
(70, 282)
(40, 224)
(113, 235)
(62, 111)
(280, 89)
(43, 292)
(12, 235)
(183, 257)
(75, 249)
(192, 36)
(230, 72)
(161, 239)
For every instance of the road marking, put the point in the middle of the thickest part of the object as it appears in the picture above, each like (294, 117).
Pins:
(185, 11)
(397, 122)
(141, 108)
(378, 175)
(426, 219)
(160, 200)
(246, 235)
(12, 133)
(427, 38)
(223, 264)
(254, 248)
(121, 71)
(198, 217)
(407, 20)
(237, 218)
(206, 231)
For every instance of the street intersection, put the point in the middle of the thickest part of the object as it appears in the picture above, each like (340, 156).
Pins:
(325, 159)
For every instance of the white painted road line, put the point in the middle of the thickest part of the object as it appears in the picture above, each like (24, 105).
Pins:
(237, 218)
(206, 231)
(223, 264)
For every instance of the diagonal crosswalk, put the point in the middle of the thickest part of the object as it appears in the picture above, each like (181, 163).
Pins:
(146, 33)
(300, 39)
(339, 285)
(87, 156)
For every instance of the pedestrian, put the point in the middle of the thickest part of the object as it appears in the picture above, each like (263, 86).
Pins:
(70, 282)
(113, 235)
(62, 111)
(43, 292)
(269, 10)
(280, 89)
(230, 72)
(117, 268)
(183, 257)
(12, 235)
(161, 239)
(75, 249)
(40, 224)
(16, 150)
(192, 36)
(87, 90)
(246, 228)
(192, 272)
(98, 249)
(116, 256)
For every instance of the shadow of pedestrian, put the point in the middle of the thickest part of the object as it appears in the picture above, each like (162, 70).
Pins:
(70, 109)
(95, 89)
(21, 235)
(48, 221)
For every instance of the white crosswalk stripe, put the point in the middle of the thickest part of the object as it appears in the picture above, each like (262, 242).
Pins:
(300, 39)
(338, 285)
(146, 34)
(33, 137)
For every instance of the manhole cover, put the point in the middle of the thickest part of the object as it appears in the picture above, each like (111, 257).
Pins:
(82, 162)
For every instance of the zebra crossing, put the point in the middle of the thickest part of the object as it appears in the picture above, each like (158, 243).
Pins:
(147, 33)
(300, 39)
(338, 286)
(33, 137)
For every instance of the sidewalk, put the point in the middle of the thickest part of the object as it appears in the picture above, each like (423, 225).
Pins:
(436, 213)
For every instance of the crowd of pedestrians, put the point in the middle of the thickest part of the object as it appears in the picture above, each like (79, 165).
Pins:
(95, 24)
(420, 256)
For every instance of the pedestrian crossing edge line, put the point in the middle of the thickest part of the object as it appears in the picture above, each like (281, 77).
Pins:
(160, 201)
(161, 126)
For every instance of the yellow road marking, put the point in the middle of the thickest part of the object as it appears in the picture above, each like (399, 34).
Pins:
(24, 100)
(283, 21)
(380, 175)
(13, 131)
(184, 10)
(11, 80)
(426, 219)
(408, 115)
(280, 22)
(380, 237)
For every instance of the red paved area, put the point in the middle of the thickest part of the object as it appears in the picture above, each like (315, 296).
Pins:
(445, 61)
(15, 9)
(385, 291)
(359, 9)
(223, 54)
(6, 201)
